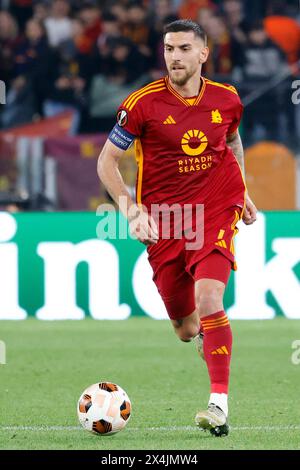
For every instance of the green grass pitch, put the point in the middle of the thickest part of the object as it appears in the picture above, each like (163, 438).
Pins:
(49, 364)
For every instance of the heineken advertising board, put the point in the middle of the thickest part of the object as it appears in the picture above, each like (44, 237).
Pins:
(54, 266)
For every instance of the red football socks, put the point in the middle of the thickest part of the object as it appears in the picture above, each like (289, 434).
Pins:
(217, 344)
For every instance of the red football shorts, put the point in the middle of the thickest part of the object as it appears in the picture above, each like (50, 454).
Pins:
(175, 269)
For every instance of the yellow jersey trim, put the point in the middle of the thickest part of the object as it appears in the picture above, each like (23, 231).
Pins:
(186, 100)
(221, 85)
(139, 155)
(191, 101)
(131, 106)
(133, 95)
(235, 230)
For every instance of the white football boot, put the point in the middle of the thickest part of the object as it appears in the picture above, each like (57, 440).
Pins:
(214, 420)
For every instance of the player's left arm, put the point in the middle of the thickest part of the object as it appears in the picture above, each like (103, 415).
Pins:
(235, 143)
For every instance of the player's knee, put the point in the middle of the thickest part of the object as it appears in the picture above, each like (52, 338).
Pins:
(184, 337)
(187, 334)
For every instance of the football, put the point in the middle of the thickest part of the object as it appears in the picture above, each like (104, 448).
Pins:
(104, 408)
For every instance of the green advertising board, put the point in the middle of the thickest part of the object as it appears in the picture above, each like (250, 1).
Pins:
(54, 266)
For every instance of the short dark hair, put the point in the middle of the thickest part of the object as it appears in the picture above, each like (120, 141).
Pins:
(186, 26)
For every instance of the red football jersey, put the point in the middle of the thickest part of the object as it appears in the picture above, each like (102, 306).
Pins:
(181, 145)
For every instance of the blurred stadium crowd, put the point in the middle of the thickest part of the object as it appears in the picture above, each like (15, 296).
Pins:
(68, 64)
(89, 55)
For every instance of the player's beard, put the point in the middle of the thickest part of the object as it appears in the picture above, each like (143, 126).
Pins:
(181, 81)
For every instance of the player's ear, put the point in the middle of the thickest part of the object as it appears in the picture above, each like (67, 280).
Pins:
(203, 55)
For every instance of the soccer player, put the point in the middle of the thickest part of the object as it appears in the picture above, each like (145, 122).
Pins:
(189, 151)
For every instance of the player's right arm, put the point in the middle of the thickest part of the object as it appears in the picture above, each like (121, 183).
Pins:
(142, 225)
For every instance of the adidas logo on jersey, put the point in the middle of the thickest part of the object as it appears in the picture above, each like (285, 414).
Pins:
(169, 120)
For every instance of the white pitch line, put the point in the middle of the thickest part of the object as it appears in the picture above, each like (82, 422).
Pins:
(40, 428)
(288, 427)
(232, 428)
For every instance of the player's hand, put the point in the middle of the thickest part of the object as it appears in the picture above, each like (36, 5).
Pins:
(250, 212)
(143, 227)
